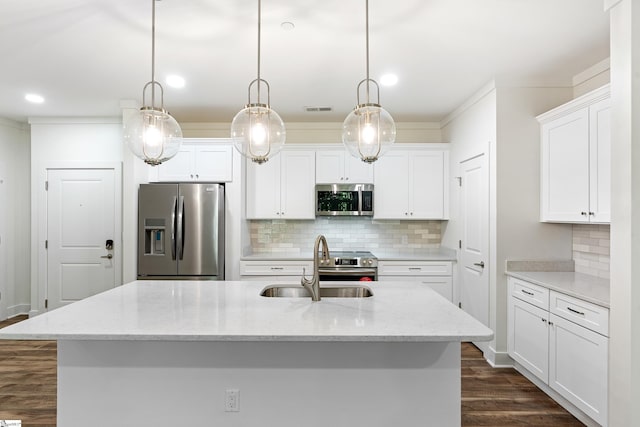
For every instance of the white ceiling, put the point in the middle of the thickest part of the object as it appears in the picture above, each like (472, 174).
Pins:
(85, 56)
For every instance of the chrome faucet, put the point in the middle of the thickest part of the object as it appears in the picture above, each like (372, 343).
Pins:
(313, 285)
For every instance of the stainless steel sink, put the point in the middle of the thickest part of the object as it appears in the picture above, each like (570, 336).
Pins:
(329, 291)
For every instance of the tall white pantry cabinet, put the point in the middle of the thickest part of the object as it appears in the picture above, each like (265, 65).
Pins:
(576, 160)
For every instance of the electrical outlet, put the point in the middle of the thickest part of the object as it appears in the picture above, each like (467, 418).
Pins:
(232, 400)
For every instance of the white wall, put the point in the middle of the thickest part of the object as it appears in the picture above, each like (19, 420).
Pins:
(503, 119)
(624, 342)
(14, 218)
(80, 140)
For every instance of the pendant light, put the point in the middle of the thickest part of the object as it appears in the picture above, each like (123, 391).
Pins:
(152, 134)
(257, 131)
(368, 131)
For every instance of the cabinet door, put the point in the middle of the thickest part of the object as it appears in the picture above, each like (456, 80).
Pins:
(263, 189)
(600, 162)
(528, 337)
(297, 191)
(578, 367)
(426, 185)
(565, 168)
(179, 168)
(356, 171)
(330, 166)
(391, 191)
(441, 284)
(213, 162)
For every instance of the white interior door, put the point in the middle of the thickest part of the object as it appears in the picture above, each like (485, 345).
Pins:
(83, 212)
(474, 251)
(4, 202)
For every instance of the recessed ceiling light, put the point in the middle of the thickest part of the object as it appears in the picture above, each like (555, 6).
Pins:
(175, 81)
(389, 79)
(34, 98)
(287, 26)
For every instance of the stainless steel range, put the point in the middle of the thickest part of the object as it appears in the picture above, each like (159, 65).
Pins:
(349, 266)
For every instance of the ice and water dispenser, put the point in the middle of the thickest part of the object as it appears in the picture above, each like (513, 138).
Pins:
(154, 236)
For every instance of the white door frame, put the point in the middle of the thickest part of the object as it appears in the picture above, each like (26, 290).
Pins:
(39, 223)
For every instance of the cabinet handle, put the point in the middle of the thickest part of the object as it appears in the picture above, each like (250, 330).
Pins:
(527, 292)
(277, 268)
(575, 311)
(415, 268)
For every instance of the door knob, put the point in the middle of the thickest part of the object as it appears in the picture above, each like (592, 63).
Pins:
(108, 256)
(479, 264)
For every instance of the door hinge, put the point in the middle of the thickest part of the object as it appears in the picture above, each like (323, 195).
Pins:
(46, 303)
(459, 244)
(46, 244)
(46, 186)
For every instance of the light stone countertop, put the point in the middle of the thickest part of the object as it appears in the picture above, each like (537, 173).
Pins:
(588, 288)
(434, 254)
(234, 311)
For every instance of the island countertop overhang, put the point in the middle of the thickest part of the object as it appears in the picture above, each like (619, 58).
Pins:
(234, 311)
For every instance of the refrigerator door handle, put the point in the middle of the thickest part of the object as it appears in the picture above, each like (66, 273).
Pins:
(180, 228)
(173, 228)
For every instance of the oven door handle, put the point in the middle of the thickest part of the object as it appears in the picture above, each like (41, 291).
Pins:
(343, 271)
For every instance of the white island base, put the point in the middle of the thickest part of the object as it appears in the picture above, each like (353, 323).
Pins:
(184, 383)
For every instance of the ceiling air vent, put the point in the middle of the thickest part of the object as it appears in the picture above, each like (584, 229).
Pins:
(317, 109)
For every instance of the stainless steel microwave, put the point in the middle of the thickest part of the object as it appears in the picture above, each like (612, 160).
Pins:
(344, 199)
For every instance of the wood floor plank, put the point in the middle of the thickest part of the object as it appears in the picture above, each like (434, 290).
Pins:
(490, 396)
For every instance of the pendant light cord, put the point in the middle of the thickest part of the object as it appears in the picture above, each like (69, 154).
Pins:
(367, 31)
(259, 31)
(153, 53)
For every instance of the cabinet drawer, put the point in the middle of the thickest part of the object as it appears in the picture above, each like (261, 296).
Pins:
(414, 268)
(533, 294)
(280, 268)
(583, 313)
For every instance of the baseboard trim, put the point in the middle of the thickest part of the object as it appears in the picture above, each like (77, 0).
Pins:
(17, 310)
(497, 359)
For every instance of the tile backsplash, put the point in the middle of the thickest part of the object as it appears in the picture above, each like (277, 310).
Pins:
(591, 246)
(343, 234)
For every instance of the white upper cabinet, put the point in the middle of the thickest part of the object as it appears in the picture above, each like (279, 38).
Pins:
(412, 184)
(198, 160)
(283, 187)
(576, 160)
(338, 167)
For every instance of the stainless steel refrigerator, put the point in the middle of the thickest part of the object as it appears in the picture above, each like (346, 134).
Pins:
(181, 231)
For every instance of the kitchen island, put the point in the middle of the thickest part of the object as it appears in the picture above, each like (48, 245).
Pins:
(217, 353)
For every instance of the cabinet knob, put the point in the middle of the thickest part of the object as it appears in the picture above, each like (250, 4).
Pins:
(592, 214)
(197, 176)
(544, 320)
(406, 213)
(191, 176)
(341, 179)
(346, 179)
(583, 213)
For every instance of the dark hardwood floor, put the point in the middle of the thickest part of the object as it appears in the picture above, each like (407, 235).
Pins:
(490, 396)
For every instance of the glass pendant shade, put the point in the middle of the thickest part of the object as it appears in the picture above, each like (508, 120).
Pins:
(153, 135)
(368, 132)
(258, 132)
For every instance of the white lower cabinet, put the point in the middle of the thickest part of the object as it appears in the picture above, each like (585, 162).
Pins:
(276, 271)
(435, 274)
(564, 343)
